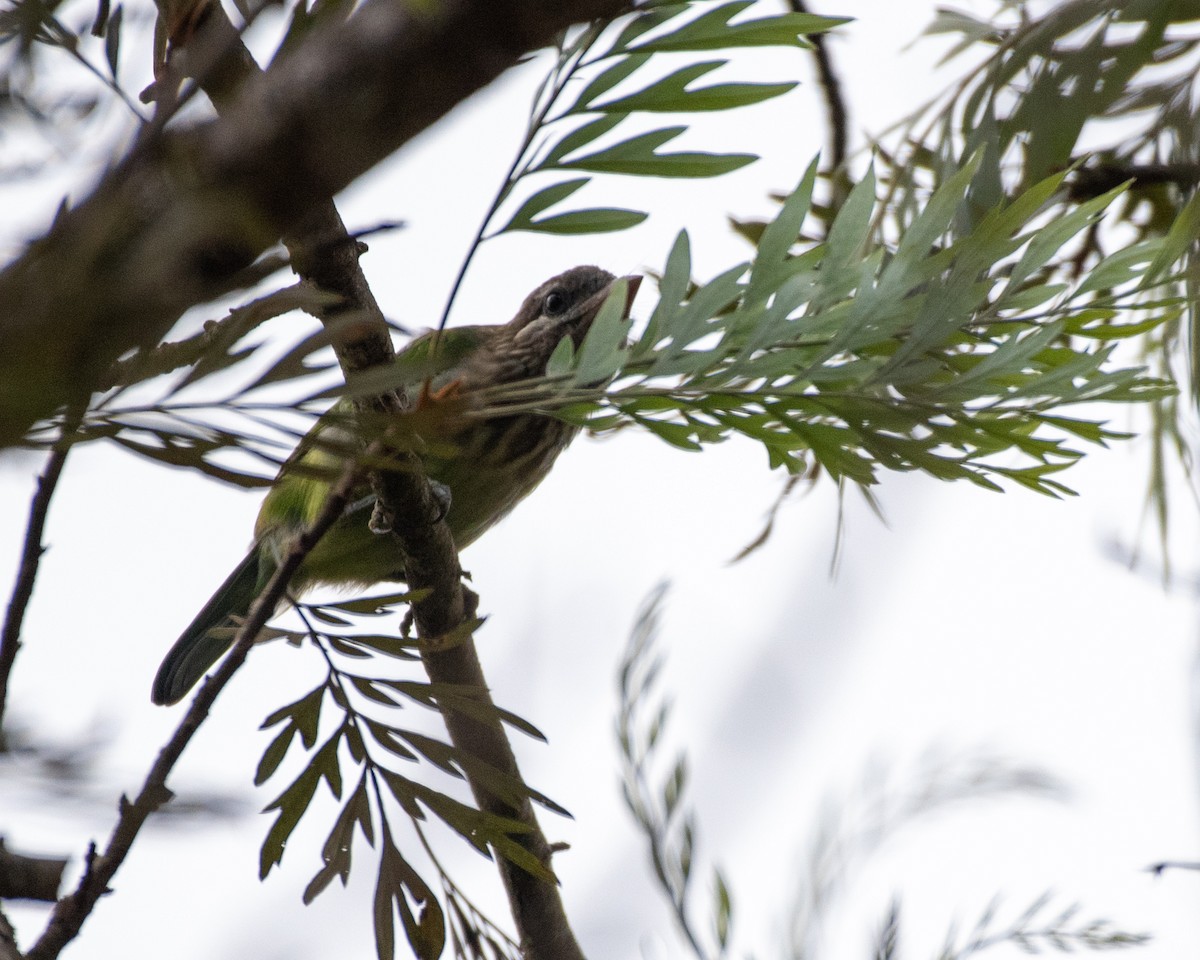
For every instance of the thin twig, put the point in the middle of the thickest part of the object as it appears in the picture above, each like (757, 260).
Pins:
(31, 557)
(831, 85)
(167, 357)
(72, 910)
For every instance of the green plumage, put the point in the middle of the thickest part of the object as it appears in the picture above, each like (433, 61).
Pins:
(488, 465)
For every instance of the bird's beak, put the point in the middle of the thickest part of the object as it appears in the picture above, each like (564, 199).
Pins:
(589, 309)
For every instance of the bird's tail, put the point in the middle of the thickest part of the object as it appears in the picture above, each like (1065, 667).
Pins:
(197, 648)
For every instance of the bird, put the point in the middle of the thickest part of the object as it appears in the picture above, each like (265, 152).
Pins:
(481, 466)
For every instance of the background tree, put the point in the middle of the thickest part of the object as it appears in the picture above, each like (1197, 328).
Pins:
(942, 329)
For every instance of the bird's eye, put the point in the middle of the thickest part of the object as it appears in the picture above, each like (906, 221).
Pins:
(555, 303)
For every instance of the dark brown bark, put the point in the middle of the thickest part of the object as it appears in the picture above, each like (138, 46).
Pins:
(176, 221)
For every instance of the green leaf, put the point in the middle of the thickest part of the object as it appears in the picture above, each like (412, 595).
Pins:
(578, 138)
(606, 80)
(636, 157)
(426, 930)
(1179, 239)
(642, 22)
(542, 200)
(713, 31)
(292, 804)
(603, 349)
(723, 911)
(305, 713)
(770, 261)
(382, 604)
(670, 94)
(562, 359)
(595, 220)
(273, 756)
(387, 890)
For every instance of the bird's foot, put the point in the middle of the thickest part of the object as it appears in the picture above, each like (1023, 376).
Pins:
(442, 498)
(428, 394)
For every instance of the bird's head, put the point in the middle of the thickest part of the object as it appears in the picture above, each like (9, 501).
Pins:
(565, 305)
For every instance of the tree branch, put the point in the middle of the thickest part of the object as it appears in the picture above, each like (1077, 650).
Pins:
(323, 253)
(321, 250)
(173, 224)
(31, 558)
(71, 911)
(831, 85)
(431, 562)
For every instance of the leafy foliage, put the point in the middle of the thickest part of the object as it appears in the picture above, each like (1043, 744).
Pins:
(1033, 931)
(852, 828)
(362, 711)
(940, 355)
(658, 808)
(1103, 90)
(948, 354)
(557, 131)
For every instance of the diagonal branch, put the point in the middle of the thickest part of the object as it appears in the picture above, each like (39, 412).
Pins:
(431, 562)
(72, 910)
(321, 250)
(835, 101)
(324, 254)
(31, 558)
(430, 557)
(175, 222)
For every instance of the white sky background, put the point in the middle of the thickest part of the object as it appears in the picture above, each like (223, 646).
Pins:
(974, 623)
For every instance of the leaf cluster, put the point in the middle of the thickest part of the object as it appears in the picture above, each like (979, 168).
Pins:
(1103, 90)
(559, 131)
(945, 353)
(1034, 930)
(349, 731)
(657, 804)
(851, 830)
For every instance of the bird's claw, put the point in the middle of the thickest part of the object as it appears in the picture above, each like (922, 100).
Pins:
(442, 499)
